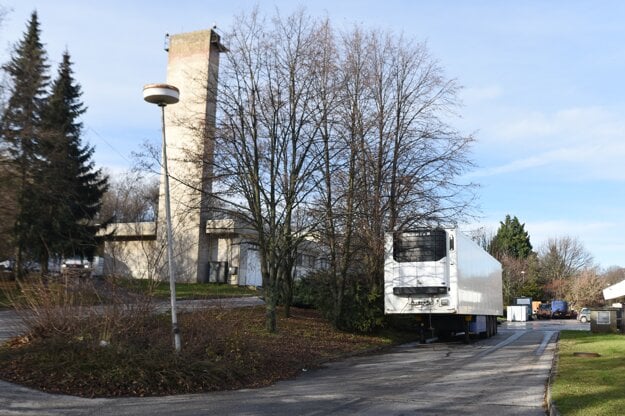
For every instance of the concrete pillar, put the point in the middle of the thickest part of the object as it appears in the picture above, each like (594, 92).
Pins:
(193, 65)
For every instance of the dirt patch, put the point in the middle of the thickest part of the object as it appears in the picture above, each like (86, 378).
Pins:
(223, 349)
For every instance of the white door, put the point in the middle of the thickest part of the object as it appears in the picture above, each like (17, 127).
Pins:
(253, 276)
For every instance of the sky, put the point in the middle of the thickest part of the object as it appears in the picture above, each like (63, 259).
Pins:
(543, 91)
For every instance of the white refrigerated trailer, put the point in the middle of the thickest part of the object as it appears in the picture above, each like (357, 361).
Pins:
(445, 279)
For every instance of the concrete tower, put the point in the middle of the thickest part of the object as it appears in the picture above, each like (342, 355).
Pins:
(193, 65)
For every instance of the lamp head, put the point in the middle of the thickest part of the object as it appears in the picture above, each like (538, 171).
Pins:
(161, 94)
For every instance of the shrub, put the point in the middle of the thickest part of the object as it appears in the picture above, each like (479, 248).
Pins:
(362, 309)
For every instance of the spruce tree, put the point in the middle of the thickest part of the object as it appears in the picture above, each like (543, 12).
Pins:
(21, 128)
(511, 239)
(74, 187)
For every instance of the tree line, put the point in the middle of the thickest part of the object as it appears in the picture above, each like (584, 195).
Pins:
(51, 191)
(560, 269)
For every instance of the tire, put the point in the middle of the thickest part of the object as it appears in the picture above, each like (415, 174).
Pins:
(583, 319)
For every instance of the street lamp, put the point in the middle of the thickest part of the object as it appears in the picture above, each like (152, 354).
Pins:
(162, 95)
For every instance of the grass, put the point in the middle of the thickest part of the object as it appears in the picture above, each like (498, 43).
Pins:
(9, 290)
(590, 386)
(222, 349)
(184, 291)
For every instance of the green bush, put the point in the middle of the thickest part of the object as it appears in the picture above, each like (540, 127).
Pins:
(362, 309)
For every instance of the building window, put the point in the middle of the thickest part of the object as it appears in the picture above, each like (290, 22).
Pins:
(603, 317)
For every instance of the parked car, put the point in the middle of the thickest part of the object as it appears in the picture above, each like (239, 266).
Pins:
(584, 315)
(76, 267)
(6, 265)
(544, 311)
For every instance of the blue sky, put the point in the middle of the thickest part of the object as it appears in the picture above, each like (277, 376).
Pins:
(543, 91)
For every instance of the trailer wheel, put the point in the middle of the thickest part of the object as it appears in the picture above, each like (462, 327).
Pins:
(489, 326)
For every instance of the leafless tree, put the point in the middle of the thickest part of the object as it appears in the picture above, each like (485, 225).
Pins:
(132, 202)
(561, 259)
(613, 275)
(350, 127)
(131, 197)
(390, 160)
(266, 137)
(585, 289)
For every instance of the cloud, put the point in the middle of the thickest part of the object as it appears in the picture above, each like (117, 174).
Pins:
(563, 126)
(597, 237)
(476, 95)
(572, 144)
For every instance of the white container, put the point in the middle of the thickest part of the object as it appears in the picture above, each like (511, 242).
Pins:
(517, 313)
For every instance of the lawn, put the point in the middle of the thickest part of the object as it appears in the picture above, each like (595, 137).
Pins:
(586, 386)
(190, 290)
(11, 290)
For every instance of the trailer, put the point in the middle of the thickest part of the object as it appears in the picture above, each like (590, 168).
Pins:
(442, 277)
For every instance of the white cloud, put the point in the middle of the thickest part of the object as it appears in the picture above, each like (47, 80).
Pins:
(573, 144)
(563, 127)
(602, 239)
(476, 95)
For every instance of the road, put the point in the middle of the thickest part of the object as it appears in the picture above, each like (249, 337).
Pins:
(503, 375)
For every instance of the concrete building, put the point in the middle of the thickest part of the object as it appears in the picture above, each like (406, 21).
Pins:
(205, 250)
(138, 249)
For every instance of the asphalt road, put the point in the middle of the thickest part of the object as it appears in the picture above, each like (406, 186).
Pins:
(504, 375)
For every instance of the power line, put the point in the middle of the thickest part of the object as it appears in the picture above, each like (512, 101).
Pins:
(113, 148)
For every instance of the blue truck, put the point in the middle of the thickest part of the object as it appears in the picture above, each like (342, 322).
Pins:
(556, 309)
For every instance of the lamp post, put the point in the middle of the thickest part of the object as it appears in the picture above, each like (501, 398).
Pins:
(163, 95)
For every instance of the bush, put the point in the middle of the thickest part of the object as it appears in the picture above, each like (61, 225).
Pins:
(362, 309)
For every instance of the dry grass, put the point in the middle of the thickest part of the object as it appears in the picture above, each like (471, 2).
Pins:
(80, 349)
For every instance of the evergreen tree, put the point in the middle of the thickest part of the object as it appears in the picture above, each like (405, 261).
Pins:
(511, 240)
(21, 128)
(74, 187)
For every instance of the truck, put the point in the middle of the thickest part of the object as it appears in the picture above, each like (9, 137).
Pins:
(556, 309)
(445, 280)
(560, 309)
(544, 311)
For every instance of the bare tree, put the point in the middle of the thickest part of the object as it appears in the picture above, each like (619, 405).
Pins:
(266, 137)
(520, 278)
(132, 197)
(585, 289)
(132, 202)
(613, 275)
(561, 259)
(351, 128)
(390, 159)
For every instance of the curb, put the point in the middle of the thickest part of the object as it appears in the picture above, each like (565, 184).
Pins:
(552, 410)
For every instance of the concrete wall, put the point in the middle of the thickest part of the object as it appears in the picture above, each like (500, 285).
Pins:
(192, 67)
